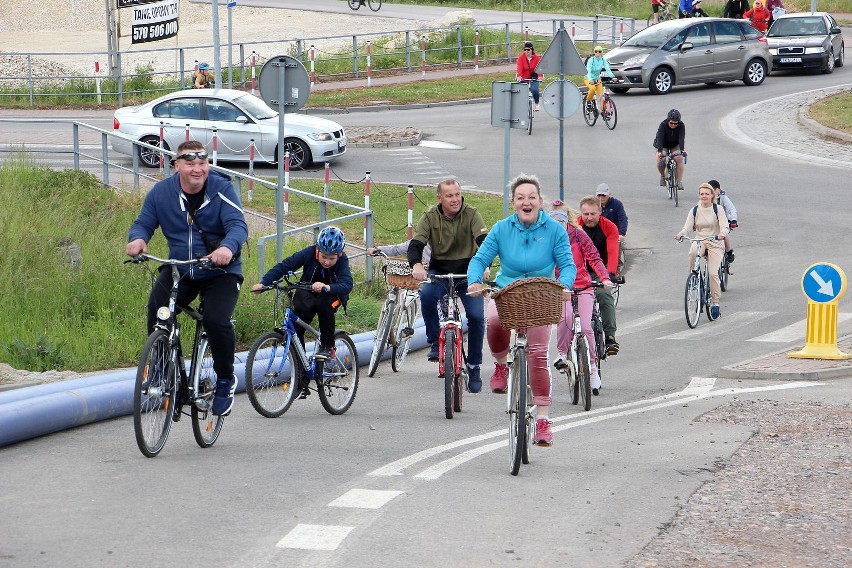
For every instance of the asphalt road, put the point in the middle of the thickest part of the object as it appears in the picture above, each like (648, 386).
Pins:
(420, 490)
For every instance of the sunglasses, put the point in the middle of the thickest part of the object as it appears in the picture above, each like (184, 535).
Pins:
(527, 49)
(673, 123)
(190, 156)
(598, 51)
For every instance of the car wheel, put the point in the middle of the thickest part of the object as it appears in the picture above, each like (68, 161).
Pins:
(662, 81)
(619, 90)
(755, 72)
(829, 63)
(839, 61)
(300, 154)
(148, 157)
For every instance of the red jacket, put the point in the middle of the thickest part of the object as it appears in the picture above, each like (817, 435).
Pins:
(610, 231)
(525, 67)
(759, 17)
(585, 252)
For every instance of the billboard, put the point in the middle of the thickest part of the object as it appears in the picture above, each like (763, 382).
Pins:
(153, 20)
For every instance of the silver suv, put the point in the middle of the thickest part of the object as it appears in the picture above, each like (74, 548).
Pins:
(691, 50)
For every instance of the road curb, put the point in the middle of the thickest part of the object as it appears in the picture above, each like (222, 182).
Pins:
(380, 108)
(812, 369)
(804, 119)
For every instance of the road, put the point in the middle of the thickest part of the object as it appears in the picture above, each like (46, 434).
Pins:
(393, 482)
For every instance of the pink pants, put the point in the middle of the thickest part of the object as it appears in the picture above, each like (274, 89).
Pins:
(538, 340)
(565, 327)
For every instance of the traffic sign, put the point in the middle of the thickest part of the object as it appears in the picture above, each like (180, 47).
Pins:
(823, 282)
(565, 92)
(561, 56)
(232, 3)
(296, 83)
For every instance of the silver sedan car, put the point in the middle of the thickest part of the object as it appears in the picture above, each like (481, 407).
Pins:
(806, 41)
(691, 50)
(237, 117)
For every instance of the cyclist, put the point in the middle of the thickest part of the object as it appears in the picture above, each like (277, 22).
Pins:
(326, 267)
(685, 9)
(595, 65)
(731, 214)
(200, 215)
(707, 220)
(671, 136)
(613, 209)
(584, 252)
(454, 230)
(526, 72)
(655, 6)
(203, 78)
(529, 243)
(604, 235)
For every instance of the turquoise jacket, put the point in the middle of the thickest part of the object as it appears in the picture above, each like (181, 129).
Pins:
(525, 252)
(594, 66)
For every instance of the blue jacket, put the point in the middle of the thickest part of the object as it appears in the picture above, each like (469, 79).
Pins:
(338, 277)
(525, 252)
(220, 217)
(595, 65)
(614, 211)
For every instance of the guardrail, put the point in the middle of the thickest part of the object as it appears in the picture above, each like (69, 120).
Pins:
(36, 77)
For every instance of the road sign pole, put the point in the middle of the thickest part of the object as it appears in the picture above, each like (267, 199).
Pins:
(230, 45)
(507, 141)
(823, 285)
(279, 189)
(561, 120)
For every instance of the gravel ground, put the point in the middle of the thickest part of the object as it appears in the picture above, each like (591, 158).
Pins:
(782, 500)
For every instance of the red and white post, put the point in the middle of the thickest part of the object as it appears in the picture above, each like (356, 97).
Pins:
(313, 67)
(251, 170)
(287, 182)
(423, 60)
(186, 139)
(98, 80)
(526, 33)
(162, 135)
(253, 68)
(369, 64)
(410, 212)
(476, 51)
(367, 183)
(215, 145)
(573, 30)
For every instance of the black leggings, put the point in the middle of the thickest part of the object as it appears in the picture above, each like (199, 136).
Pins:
(307, 305)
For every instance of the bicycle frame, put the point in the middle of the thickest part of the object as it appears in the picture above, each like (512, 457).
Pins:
(451, 320)
(288, 329)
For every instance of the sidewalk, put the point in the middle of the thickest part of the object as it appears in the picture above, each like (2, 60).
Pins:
(778, 366)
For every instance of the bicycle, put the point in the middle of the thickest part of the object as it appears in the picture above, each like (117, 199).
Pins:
(452, 359)
(162, 386)
(671, 173)
(399, 312)
(697, 293)
(605, 108)
(578, 367)
(278, 366)
(373, 4)
(664, 14)
(525, 303)
(724, 272)
(530, 106)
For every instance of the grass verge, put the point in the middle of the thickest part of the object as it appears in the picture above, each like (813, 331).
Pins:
(834, 112)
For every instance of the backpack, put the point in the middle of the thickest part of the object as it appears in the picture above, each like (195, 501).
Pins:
(695, 210)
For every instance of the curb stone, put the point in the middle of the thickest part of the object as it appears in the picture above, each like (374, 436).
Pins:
(777, 366)
(804, 119)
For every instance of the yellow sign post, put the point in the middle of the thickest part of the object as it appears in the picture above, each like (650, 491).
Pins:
(823, 285)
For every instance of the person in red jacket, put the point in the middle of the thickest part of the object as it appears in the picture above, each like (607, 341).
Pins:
(604, 234)
(759, 16)
(526, 71)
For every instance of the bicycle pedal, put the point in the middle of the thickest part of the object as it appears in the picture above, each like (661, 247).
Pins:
(406, 332)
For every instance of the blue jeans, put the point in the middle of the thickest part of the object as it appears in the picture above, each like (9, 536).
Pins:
(534, 90)
(474, 307)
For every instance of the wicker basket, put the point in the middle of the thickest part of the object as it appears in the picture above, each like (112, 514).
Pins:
(398, 273)
(529, 302)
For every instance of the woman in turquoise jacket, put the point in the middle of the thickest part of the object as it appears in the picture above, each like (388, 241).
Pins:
(595, 65)
(529, 243)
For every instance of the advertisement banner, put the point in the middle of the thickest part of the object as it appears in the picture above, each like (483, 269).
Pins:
(154, 21)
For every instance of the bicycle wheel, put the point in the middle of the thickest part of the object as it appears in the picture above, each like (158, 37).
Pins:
(584, 373)
(650, 21)
(530, 114)
(609, 113)
(380, 344)
(573, 383)
(404, 334)
(600, 338)
(206, 426)
(154, 394)
(692, 300)
(671, 179)
(530, 429)
(589, 112)
(339, 382)
(273, 374)
(374, 5)
(705, 292)
(517, 410)
(449, 362)
(723, 273)
(354, 4)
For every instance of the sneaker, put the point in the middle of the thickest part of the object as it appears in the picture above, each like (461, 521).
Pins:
(595, 381)
(537, 107)
(612, 346)
(323, 353)
(543, 435)
(595, 110)
(433, 352)
(680, 186)
(561, 360)
(662, 181)
(500, 378)
(729, 256)
(223, 400)
(715, 312)
(474, 380)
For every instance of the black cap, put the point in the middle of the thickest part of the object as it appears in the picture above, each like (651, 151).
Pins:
(714, 184)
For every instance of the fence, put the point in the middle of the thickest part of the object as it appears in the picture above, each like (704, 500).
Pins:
(148, 72)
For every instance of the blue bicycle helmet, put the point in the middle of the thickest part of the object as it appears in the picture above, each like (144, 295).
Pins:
(203, 66)
(331, 240)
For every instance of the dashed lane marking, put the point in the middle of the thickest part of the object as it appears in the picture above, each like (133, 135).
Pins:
(793, 332)
(725, 324)
(315, 537)
(365, 499)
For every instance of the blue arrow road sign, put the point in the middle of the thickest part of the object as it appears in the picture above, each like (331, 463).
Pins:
(232, 3)
(823, 282)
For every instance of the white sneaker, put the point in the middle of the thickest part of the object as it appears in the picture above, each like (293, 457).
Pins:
(537, 107)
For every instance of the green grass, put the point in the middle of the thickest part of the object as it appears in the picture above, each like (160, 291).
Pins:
(834, 111)
(93, 317)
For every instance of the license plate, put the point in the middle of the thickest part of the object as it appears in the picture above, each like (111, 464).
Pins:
(791, 60)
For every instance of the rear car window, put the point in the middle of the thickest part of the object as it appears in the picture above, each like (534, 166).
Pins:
(727, 32)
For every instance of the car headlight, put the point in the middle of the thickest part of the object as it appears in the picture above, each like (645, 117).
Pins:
(636, 60)
(813, 50)
(321, 136)
(773, 51)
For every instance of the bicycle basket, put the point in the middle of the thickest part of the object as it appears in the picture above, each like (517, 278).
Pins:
(529, 302)
(398, 273)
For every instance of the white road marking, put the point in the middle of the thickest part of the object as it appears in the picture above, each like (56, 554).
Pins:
(725, 324)
(647, 321)
(365, 499)
(315, 537)
(793, 332)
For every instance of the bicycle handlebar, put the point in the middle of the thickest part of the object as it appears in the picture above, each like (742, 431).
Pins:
(698, 240)
(203, 261)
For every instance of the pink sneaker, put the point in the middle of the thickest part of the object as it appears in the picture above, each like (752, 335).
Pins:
(498, 379)
(543, 435)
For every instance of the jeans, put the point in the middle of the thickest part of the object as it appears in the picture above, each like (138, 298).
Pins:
(474, 308)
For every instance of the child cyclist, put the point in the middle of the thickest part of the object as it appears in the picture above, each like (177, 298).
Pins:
(326, 267)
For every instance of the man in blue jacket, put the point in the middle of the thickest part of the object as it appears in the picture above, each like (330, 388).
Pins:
(201, 216)
(613, 209)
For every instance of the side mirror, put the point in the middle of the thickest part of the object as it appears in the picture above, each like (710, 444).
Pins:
(242, 119)
(835, 31)
(686, 46)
